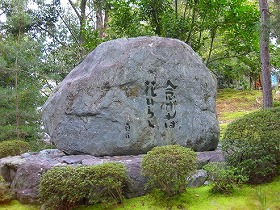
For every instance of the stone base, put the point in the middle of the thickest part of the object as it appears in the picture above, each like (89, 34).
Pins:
(24, 172)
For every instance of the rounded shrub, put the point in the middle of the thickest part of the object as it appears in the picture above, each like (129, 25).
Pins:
(5, 193)
(252, 145)
(167, 168)
(67, 187)
(223, 177)
(57, 190)
(108, 181)
(13, 147)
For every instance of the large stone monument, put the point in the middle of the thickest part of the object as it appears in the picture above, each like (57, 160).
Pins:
(130, 95)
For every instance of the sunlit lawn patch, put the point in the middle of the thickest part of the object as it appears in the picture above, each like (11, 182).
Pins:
(202, 199)
(230, 116)
(193, 199)
(16, 205)
(232, 104)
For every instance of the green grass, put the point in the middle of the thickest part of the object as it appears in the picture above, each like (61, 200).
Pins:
(229, 94)
(201, 198)
(16, 205)
(232, 104)
(230, 116)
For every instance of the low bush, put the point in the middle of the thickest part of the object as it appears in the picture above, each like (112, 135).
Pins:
(66, 187)
(108, 181)
(223, 177)
(167, 168)
(5, 193)
(13, 147)
(276, 103)
(252, 145)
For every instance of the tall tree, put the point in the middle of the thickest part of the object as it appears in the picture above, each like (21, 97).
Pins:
(82, 22)
(264, 54)
(19, 86)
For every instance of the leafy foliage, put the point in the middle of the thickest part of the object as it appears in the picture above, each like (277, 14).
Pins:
(126, 21)
(223, 177)
(20, 84)
(29, 117)
(252, 145)
(66, 187)
(224, 33)
(275, 16)
(167, 168)
(5, 193)
(13, 147)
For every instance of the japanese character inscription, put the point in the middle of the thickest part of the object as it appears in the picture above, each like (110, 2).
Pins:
(170, 105)
(127, 130)
(169, 110)
(170, 102)
(150, 94)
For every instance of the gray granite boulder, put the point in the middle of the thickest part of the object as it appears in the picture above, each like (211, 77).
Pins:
(130, 95)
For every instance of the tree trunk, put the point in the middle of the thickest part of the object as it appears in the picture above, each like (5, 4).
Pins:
(99, 17)
(176, 8)
(264, 54)
(16, 78)
(213, 35)
(17, 102)
(83, 20)
(192, 26)
(106, 16)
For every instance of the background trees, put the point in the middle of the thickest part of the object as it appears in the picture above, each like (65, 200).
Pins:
(20, 85)
(275, 19)
(224, 33)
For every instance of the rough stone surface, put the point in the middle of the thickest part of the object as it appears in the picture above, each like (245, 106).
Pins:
(26, 181)
(136, 186)
(207, 157)
(28, 168)
(9, 166)
(130, 95)
(198, 179)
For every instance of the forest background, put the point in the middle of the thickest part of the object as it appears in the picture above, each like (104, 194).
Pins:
(41, 41)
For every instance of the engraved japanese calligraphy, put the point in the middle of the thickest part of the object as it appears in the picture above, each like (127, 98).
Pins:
(170, 105)
(150, 94)
(127, 130)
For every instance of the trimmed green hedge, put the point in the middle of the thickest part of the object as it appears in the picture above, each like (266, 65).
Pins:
(67, 187)
(252, 145)
(223, 177)
(167, 168)
(5, 193)
(13, 147)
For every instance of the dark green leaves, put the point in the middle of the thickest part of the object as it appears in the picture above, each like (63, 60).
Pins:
(168, 167)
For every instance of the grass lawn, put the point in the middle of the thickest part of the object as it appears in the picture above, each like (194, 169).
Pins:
(233, 104)
(259, 197)
(262, 197)
(15, 205)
